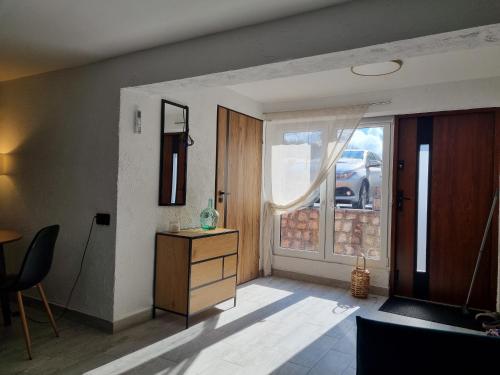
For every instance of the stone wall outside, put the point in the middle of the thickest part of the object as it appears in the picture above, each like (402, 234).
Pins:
(356, 231)
(300, 229)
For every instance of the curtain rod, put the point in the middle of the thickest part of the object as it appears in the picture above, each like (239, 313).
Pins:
(384, 102)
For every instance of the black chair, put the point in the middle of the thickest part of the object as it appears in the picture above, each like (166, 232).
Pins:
(35, 267)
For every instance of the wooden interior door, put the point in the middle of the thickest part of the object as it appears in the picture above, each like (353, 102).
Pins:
(238, 184)
(463, 175)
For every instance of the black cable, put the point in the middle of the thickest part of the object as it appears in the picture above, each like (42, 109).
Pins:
(65, 309)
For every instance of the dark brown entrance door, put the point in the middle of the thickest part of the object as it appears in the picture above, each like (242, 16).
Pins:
(446, 174)
(238, 184)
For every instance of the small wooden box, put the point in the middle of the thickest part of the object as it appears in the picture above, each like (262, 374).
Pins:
(195, 270)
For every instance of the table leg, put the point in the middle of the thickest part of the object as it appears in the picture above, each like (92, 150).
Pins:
(4, 296)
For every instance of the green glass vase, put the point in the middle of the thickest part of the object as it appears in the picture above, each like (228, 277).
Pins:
(209, 216)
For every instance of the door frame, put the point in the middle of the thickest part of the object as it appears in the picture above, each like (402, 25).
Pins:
(494, 225)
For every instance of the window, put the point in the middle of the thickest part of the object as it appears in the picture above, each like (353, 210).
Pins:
(348, 215)
(423, 187)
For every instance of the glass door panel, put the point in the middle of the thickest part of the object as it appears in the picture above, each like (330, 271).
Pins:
(357, 197)
(299, 153)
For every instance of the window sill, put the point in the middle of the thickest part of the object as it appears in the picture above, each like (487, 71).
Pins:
(371, 264)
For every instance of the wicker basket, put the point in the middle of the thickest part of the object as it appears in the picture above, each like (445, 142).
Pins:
(360, 280)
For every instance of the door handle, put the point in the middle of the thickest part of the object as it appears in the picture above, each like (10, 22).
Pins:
(400, 198)
(222, 194)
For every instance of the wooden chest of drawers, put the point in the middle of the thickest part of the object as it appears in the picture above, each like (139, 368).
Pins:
(195, 270)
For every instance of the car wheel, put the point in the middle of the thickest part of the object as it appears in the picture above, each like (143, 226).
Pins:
(362, 196)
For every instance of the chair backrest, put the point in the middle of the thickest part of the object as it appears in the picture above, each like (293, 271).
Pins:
(388, 348)
(38, 258)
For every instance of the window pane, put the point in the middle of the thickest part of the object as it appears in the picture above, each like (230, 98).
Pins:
(358, 195)
(299, 230)
(423, 190)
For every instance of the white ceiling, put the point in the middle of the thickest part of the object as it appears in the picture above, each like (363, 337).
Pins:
(43, 35)
(444, 67)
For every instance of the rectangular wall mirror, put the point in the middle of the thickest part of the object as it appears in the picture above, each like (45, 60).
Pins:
(173, 159)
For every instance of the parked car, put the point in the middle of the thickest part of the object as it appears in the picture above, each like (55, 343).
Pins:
(358, 174)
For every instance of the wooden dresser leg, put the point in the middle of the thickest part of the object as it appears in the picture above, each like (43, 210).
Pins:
(47, 308)
(26, 331)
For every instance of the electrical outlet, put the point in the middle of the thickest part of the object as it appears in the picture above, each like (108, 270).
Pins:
(102, 219)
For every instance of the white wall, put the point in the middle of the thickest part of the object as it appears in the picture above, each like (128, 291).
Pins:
(438, 97)
(138, 215)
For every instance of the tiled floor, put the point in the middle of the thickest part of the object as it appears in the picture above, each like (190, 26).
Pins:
(280, 326)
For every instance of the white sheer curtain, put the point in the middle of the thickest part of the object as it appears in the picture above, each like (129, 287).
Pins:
(298, 162)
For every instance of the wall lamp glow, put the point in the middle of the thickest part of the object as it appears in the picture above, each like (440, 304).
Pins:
(3, 164)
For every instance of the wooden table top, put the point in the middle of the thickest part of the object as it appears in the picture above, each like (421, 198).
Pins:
(7, 235)
(198, 232)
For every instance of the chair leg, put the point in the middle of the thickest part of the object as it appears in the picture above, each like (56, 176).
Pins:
(24, 322)
(47, 308)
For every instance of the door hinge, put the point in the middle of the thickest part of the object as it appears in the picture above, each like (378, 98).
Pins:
(396, 275)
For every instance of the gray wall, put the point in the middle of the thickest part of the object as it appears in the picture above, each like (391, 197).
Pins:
(63, 170)
(63, 125)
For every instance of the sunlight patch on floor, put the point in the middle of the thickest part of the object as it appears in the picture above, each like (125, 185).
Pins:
(269, 327)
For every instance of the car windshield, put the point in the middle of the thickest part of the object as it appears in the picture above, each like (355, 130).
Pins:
(351, 154)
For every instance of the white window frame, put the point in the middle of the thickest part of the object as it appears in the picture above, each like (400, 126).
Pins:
(327, 206)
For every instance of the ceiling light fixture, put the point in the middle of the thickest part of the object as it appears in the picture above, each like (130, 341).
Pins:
(377, 69)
